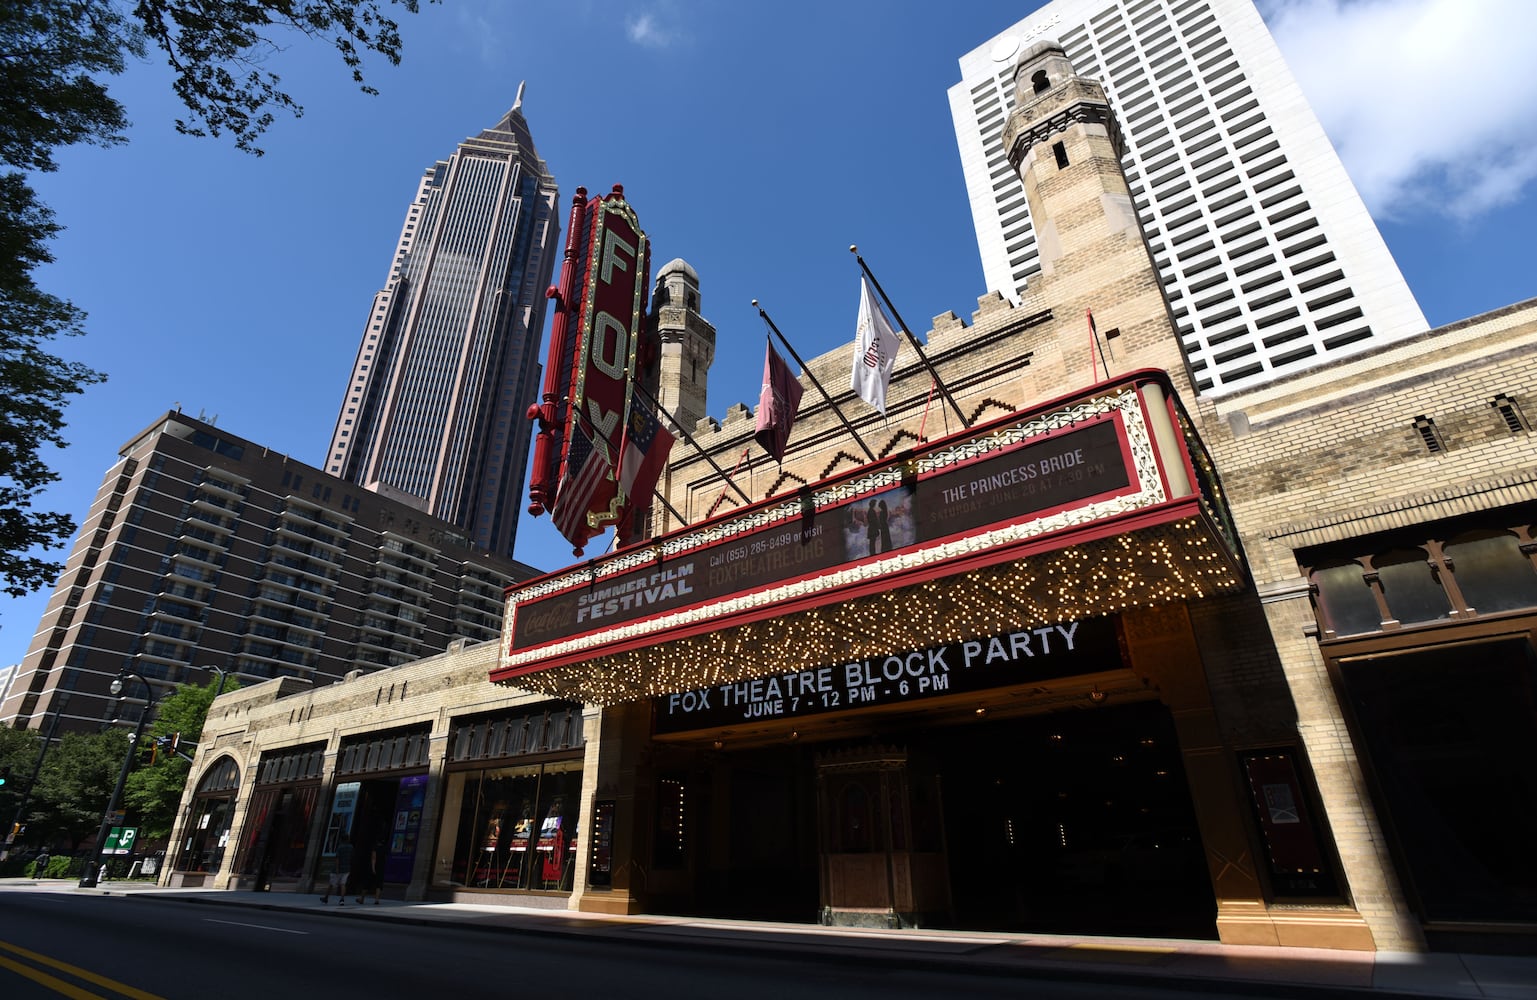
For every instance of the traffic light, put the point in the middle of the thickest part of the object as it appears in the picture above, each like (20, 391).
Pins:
(5, 776)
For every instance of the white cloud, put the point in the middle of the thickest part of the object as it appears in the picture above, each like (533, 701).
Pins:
(653, 30)
(483, 32)
(1432, 104)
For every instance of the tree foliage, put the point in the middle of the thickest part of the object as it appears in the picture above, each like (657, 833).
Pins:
(18, 751)
(34, 387)
(154, 788)
(72, 790)
(215, 49)
(51, 52)
(54, 55)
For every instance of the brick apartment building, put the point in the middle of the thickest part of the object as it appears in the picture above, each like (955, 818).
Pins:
(202, 548)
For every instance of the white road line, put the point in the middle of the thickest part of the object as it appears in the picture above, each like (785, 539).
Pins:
(260, 927)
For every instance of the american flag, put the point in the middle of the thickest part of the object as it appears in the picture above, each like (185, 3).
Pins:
(577, 489)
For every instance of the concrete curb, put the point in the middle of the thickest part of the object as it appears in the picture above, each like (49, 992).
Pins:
(980, 958)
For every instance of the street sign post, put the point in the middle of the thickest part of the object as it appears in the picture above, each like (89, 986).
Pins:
(120, 840)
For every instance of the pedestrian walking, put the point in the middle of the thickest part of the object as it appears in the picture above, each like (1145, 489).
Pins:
(337, 880)
(371, 875)
(40, 865)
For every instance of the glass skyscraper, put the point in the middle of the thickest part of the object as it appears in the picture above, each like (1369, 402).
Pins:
(1264, 248)
(433, 415)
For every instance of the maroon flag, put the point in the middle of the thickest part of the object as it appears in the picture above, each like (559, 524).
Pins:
(777, 404)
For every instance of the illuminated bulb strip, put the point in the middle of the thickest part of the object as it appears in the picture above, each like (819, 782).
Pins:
(1078, 583)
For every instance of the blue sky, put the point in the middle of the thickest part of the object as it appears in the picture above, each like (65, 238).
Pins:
(756, 141)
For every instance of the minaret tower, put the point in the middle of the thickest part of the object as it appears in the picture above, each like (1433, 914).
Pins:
(687, 343)
(1063, 139)
(687, 349)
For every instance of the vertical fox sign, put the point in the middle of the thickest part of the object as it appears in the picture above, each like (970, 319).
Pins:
(597, 344)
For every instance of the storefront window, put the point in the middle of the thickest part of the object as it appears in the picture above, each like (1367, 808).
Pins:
(207, 827)
(276, 832)
(517, 826)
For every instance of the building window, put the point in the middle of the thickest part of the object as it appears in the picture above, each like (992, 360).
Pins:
(1492, 573)
(1060, 152)
(516, 826)
(1456, 570)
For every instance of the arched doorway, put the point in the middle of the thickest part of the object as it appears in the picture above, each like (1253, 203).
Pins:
(206, 825)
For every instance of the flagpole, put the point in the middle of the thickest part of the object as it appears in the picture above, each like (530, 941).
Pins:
(1095, 344)
(722, 495)
(651, 400)
(785, 341)
(629, 516)
(853, 249)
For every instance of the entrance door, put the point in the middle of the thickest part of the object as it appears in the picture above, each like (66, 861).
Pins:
(1451, 735)
(881, 835)
(1077, 821)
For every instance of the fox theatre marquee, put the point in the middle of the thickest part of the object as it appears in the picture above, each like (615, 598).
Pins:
(1003, 548)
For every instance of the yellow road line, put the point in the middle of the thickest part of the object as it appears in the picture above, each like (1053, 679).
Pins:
(59, 985)
(52, 982)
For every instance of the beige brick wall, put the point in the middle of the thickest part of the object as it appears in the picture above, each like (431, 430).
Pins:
(286, 712)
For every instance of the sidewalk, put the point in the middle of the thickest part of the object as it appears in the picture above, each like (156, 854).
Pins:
(1145, 961)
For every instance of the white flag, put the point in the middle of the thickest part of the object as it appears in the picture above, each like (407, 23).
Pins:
(875, 350)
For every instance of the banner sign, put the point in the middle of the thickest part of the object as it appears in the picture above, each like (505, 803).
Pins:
(1066, 468)
(1060, 650)
(405, 830)
(607, 341)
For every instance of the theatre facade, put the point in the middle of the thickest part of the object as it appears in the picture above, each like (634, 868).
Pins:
(1086, 652)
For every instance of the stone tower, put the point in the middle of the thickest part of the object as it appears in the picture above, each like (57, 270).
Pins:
(686, 346)
(1063, 140)
(687, 343)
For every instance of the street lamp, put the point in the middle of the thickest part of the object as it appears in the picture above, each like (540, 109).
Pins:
(93, 869)
(223, 676)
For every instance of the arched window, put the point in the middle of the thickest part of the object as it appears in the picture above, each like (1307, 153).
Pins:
(1491, 571)
(205, 830)
(1345, 599)
(1411, 587)
(1039, 81)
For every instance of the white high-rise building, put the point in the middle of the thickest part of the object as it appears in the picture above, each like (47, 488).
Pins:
(1266, 251)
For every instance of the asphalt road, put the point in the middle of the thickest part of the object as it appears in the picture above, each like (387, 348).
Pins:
(62, 944)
